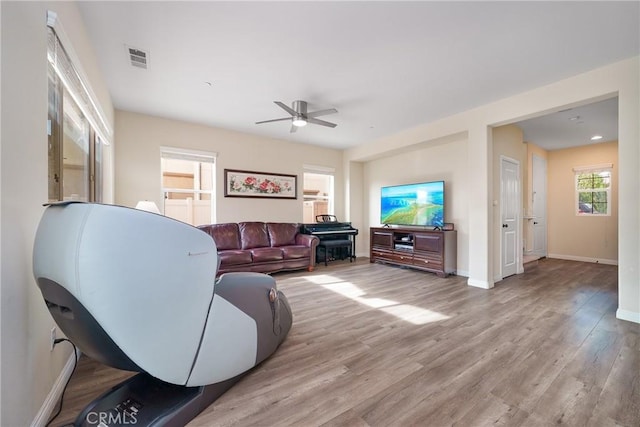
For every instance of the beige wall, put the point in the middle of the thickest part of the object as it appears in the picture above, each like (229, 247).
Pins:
(29, 369)
(446, 161)
(354, 204)
(507, 142)
(569, 236)
(137, 159)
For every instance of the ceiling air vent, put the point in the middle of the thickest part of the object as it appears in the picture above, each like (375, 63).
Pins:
(138, 57)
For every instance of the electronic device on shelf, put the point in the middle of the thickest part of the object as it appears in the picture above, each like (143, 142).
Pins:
(401, 247)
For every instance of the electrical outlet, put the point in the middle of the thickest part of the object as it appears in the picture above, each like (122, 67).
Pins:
(53, 337)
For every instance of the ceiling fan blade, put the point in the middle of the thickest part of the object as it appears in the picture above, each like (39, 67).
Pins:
(286, 108)
(322, 112)
(274, 120)
(294, 128)
(320, 122)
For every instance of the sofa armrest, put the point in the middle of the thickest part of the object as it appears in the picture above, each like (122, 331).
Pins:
(307, 240)
(311, 242)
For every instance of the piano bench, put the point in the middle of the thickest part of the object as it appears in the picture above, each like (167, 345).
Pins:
(344, 246)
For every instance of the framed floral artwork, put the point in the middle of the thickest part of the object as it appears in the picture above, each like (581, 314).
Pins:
(239, 183)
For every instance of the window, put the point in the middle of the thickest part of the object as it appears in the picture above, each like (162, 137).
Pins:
(188, 185)
(76, 129)
(318, 193)
(593, 190)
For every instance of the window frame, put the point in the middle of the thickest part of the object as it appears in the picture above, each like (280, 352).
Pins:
(193, 156)
(66, 79)
(592, 170)
(328, 172)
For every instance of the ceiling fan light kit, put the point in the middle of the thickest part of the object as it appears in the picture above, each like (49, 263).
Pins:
(299, 121)
(300, 117)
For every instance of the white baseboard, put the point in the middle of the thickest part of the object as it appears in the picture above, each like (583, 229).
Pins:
(463, 273)
(479, 283)
(49, 404)
(584, 259)
(627, 315)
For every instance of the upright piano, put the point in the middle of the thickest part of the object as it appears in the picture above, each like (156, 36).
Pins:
(330, 230)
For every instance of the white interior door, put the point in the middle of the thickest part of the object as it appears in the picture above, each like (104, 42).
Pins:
(510, 213)
(539, 206)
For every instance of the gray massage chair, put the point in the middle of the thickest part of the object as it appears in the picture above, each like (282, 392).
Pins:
(137, 291)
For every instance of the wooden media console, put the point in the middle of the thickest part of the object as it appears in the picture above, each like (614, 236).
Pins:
(428, 250)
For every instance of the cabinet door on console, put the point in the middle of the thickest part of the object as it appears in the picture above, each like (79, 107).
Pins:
(382, 238)
(432, 242)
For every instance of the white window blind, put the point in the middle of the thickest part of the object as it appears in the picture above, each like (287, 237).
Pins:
(70, 78)
(603, 167)
(191, 155)
(328, 170)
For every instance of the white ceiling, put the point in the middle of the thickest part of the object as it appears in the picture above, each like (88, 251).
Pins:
(385, 66)
(574, 126)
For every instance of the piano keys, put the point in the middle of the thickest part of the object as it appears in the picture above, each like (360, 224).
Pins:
(332, 231)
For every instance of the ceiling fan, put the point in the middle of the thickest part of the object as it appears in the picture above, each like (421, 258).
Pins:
(300, 117)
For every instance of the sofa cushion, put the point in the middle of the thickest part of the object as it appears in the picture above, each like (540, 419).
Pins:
(226, 236)
(234, 257)
(253, 235)
(266, 254)
(295, 252)
(282, 234)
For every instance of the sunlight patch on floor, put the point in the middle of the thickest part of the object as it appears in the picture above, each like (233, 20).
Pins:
(414, 315)
(407, 312)
(322, 279)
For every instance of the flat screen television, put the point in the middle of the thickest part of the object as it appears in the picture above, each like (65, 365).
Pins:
(413, 204)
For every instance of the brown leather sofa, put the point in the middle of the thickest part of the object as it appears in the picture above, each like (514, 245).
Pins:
(263, 247)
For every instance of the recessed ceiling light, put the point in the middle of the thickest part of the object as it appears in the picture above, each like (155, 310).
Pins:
(596, 137)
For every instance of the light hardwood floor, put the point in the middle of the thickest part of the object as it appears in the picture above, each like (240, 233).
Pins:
(374, 345)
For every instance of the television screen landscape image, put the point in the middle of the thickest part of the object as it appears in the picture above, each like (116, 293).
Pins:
(413, 204)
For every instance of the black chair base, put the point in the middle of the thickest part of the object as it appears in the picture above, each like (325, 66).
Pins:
(146, 401)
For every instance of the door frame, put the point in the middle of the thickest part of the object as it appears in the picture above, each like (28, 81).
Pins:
(519, 249)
